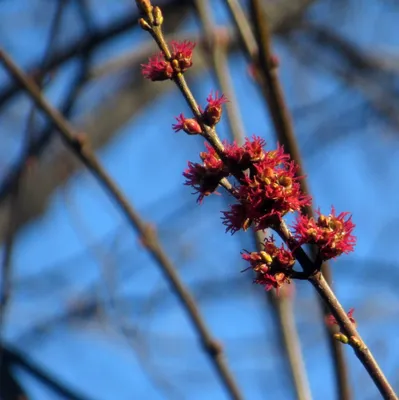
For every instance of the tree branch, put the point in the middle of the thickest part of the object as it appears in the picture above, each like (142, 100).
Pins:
(281, 306)
(82, 150)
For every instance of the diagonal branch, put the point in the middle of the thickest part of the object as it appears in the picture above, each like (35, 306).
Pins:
(281, 306)
(83, 45)
(262, 57)
(41, 181)
(12, 357)
(82, 150)
(5, 291)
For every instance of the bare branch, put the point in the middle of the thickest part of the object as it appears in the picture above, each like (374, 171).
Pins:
(82, 150)
(281, 306)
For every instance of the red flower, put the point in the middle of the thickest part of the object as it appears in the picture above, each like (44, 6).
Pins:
(236, 218)
(211, 159)
(273, 265)
(332, 233)
(270, 193)
(269, 281)
(330, 319)
(254, 148)
(205, 178)
(157, 69)
(182, 53)
(242, 157)
(213, 111)
(188, 125)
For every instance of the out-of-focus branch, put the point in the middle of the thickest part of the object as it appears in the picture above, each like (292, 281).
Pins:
(357, 70)
(82, 150)
(42, 179)
(281, 306)
(103, 122)
(10, 388)
(259, 51)
(5, 291)
(107, 271)
(85, 44)
(14, 358)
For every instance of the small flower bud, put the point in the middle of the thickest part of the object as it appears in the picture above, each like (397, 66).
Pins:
(144, 6)
(192, 127)
(188, 125)
(213, 111)
(341, 338)
(144, 25)
(158, 16)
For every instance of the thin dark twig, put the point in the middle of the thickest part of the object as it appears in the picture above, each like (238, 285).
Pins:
(347, 327)
(153, 26)
(281, 305)
(107, 266)
(82, 45)
(261, 56)
(5, 291)
(82, 150)
(13, 357)
(39, 143)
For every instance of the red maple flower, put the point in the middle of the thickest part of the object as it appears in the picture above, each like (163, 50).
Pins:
(160, 69)
(182, 52)
(188, 125)
(205, 178)
(157, 69)
(271, 258)
(213, 111)
(254, 148)
(330, 319)
(273, 265)
(332, 233)
(243, 157)
(210, 158)
(271, 193)
(268, 192)
(269, 281)
(236, 218)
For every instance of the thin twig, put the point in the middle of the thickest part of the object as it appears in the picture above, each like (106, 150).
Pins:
(84, 44)
(82, 150)
(347, 327)
(16, 359)
(261, 57)
(281, 305)
(307, 264)
(14, 204)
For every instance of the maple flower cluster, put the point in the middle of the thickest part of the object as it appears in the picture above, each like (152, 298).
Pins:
(159, 68)
(332, 234)
(266, 183)
(273, 265)
(210, 116)
(268, 188)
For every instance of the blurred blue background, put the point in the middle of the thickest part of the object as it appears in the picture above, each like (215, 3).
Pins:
(88, 305)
